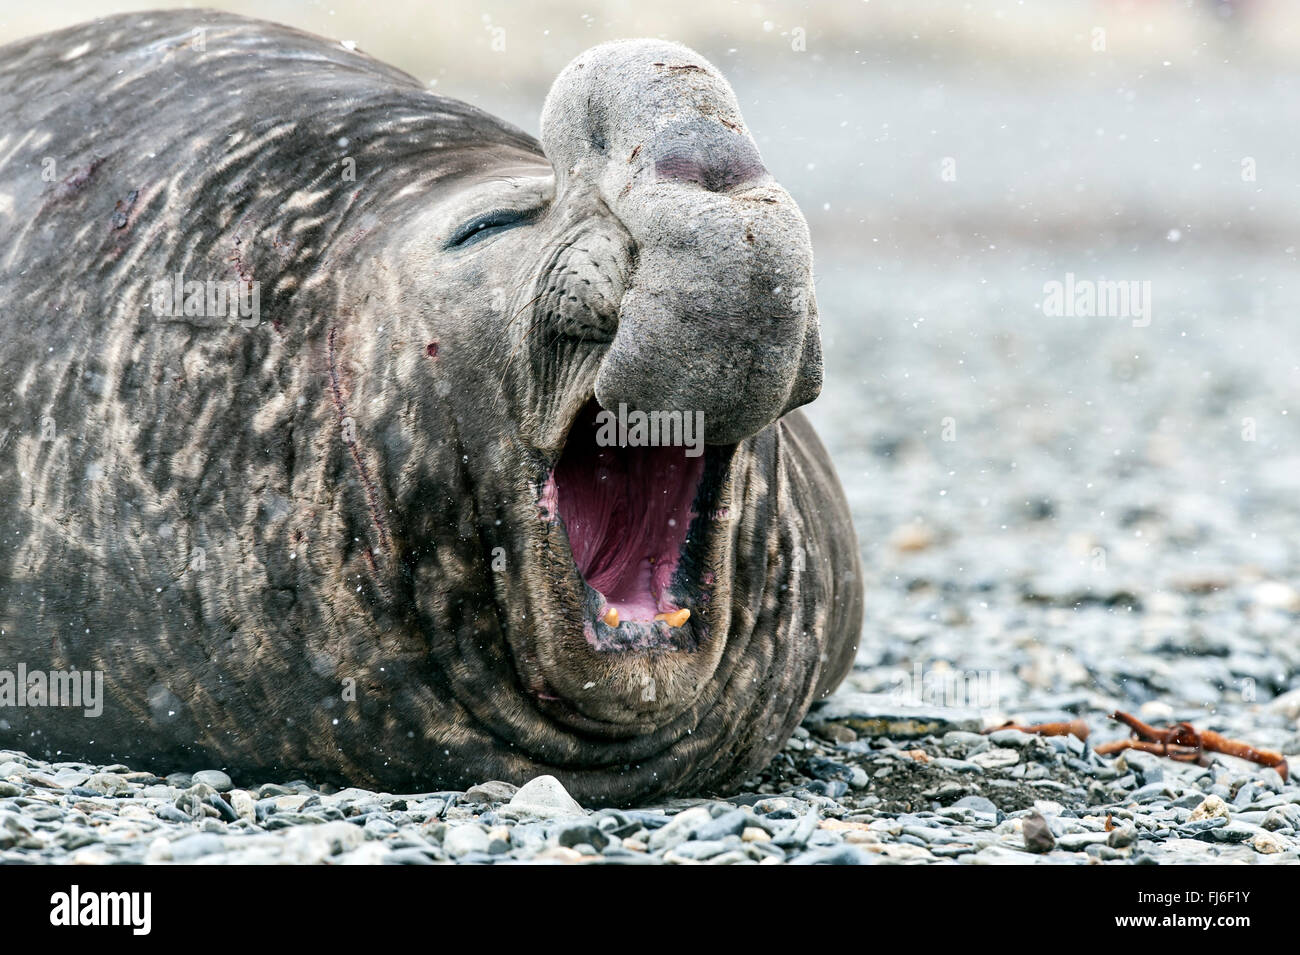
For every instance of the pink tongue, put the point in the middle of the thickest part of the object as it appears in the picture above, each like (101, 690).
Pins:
(627, 512)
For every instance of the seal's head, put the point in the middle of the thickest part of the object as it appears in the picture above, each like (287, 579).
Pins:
(648, 273)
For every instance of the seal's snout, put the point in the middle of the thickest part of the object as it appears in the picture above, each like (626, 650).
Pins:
(719, 317)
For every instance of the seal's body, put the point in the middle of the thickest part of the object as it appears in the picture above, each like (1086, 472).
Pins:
(302, 371)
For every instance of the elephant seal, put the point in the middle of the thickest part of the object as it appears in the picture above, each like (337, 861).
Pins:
(305, 375)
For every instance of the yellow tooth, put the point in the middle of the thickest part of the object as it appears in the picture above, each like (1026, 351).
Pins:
(676, 618)
(611, 617)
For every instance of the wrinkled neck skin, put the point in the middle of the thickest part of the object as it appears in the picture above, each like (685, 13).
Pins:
(461, 388)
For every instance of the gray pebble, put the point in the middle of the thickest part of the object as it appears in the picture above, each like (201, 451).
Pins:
(215, 778)
(464, 839)
(1037, 834)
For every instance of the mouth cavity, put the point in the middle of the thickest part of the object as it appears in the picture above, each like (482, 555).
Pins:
(629, 513)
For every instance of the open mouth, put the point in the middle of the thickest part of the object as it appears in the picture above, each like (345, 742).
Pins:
(636, 517)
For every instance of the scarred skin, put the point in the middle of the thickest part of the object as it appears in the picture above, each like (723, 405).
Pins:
(321, 545)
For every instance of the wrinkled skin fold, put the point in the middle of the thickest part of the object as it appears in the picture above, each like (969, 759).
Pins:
(330, 539)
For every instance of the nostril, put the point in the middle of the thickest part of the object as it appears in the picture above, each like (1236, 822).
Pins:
(714, 176)
(707, 154)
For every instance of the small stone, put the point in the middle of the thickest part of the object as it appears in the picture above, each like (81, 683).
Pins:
(901, 851)
(829, 769)
(848, 855)
(464, 839)
(1155, 792)
(1245, 796)
(134, 811)
(1201, 825)
(492, 791)
(559, 854)
(1282, 817)
(734, 857)
(196, 846)
(244, 804)
(311, 844)
(581, 834)
(1210, 808)
(376, 825)
(697, 850)
(755, 834)
(1121, 837)
(92, 856)
(836, 733)
(728, 824)
(1037, 834)
(170, 813)
(1287, 704)
(1102, 852)
(106, 784)
(545, 798)
(410, 855)
(1078, 841)
(796, 834)
(996, 758)
(215, 778)
(834, 788)
(1268, 843)
(1150, 766)
(976, 804)
(223, 808)
(958, 765)
(1231, 832)
(680, 828)
(368, 853)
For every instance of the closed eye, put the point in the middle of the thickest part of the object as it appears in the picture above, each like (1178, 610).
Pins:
(489, 224)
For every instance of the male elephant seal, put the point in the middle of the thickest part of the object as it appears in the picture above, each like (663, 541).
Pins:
(302, 369)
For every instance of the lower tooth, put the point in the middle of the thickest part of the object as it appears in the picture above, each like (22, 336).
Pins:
(611, 617)
(676, 618)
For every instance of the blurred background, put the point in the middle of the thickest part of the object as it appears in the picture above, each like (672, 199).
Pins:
(1100, 512)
